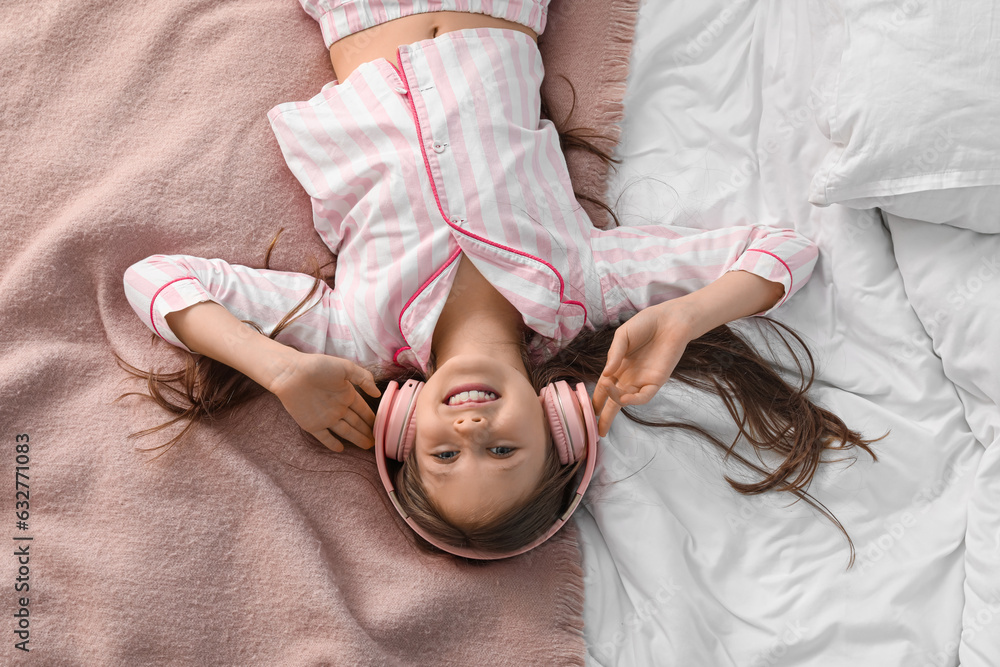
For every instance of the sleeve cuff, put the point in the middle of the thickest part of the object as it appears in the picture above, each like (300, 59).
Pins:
(178, 294)
(328, 26)
(768, 266)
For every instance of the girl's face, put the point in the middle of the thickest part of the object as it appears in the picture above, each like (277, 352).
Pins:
(481, 440)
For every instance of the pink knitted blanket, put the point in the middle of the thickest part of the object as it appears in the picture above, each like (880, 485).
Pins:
(135, 128)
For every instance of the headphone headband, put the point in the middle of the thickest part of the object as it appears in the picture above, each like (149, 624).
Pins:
(576, 435)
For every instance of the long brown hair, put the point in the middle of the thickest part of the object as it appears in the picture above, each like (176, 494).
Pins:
(771, 415)
(205, 389)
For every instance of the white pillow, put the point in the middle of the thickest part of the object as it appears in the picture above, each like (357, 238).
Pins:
(910, 101)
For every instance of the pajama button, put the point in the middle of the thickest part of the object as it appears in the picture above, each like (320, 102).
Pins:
(439, 148)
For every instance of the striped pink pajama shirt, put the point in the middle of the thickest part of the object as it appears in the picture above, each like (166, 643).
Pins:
(411, 164)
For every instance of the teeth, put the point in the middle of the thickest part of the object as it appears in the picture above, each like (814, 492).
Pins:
(472, 397)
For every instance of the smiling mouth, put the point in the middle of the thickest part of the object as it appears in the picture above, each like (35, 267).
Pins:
(469, 394)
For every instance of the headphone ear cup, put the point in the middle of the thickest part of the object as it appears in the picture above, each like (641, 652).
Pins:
(395, 423)
(568, 421)
(589, 418)
(559, 439)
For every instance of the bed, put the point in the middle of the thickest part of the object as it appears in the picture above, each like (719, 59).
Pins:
(736, 111)
(137, 128)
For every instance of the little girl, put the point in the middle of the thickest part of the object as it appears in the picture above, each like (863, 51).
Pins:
(464, 259)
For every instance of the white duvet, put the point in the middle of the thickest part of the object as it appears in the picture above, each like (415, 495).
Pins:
(682, 570)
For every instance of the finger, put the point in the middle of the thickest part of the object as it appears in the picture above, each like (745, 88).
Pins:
(347, 432)
(609, 389)
(600, 395)
(606, 390)
(641, 397)
(329, 441)
(358, 423)
(616, 352)
(364, 379)
(621, 392)
(360, 407)
(608, 414)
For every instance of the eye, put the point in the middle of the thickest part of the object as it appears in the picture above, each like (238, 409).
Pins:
(506, 451)
(444, 456)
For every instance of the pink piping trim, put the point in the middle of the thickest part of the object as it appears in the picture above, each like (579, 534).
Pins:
(399, 352)
(437, 200)
(152, 320)
(791, 277)
(427, 282)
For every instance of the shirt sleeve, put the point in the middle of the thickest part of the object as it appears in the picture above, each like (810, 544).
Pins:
(641, 266)
(162, 284)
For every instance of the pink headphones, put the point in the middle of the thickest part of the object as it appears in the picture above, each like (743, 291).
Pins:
(571, 422)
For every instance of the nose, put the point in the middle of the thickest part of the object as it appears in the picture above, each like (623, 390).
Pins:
(474, 427)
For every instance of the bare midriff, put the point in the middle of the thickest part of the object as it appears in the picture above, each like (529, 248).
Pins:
(381, 41)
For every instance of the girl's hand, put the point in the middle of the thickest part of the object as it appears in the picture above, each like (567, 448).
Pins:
(318, 391)
(641, 358)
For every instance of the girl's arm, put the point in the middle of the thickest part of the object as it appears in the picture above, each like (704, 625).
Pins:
(734, 295)
(684, 283)
(316, 389)
(648, 346)
(209, 329)
(162, 284)
(197, 304)
(642, 266)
